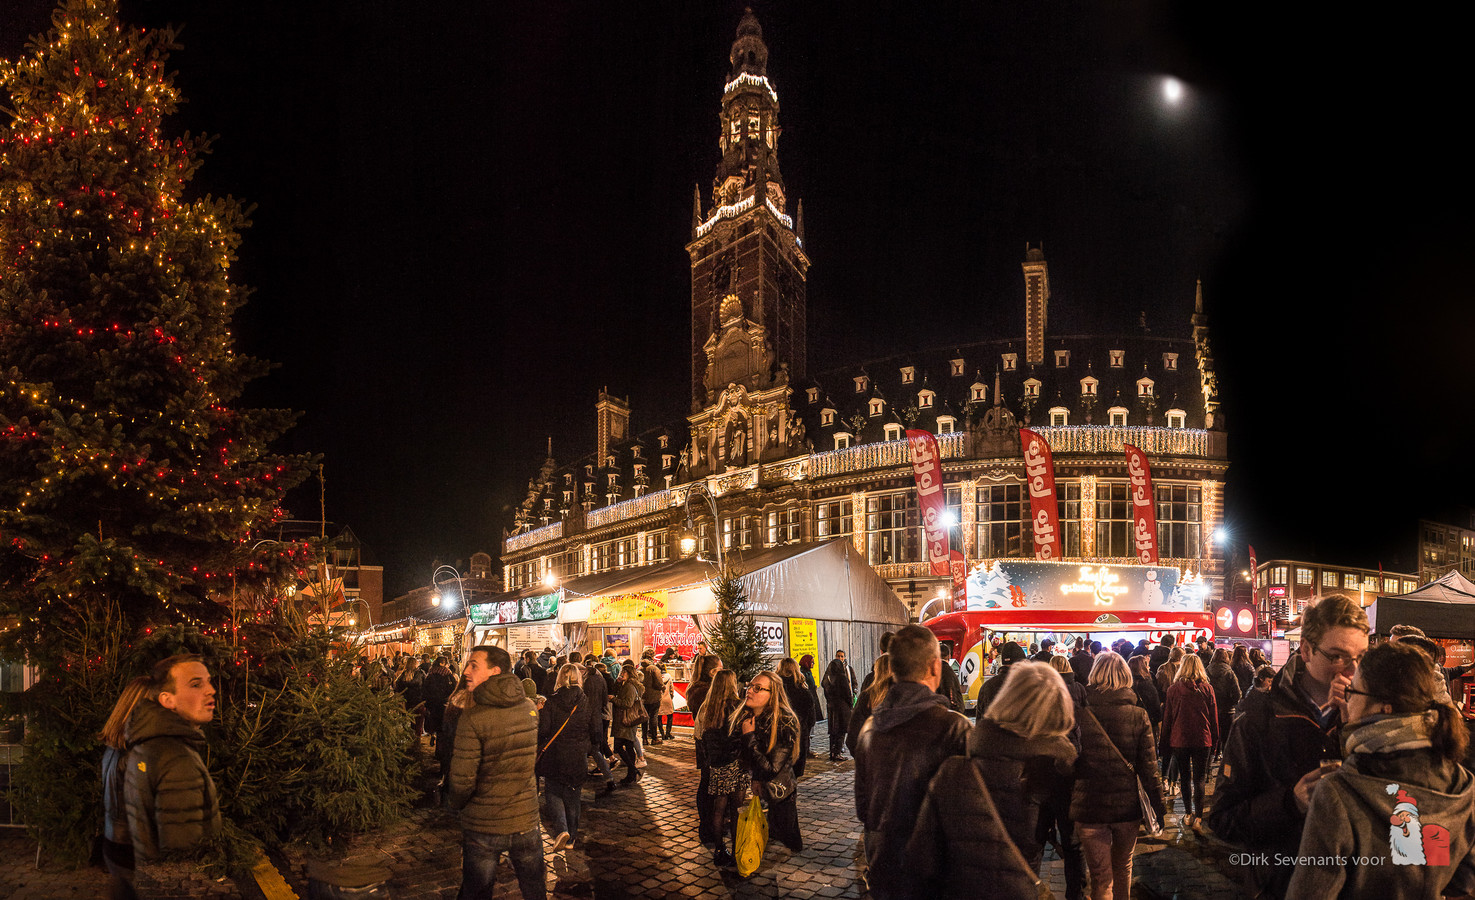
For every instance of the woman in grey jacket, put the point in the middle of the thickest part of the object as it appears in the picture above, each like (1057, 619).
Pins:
(1397, 817)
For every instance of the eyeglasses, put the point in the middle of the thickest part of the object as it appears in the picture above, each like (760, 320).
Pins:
(760, 690)
(1340, 660)
(1349, 690)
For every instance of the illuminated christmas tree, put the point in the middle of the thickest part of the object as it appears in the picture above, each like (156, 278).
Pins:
(128, 481)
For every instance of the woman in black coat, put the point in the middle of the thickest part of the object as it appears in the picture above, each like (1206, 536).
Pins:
(770, 733)
(1226, 693)
(806, 665)
(1147, 696)
(567, 731)
(802, 703)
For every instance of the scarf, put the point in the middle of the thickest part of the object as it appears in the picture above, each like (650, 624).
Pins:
(1387, 733)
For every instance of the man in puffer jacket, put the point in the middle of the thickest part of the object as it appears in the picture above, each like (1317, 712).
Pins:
(492, 781)
(907, 738)
(167, 791)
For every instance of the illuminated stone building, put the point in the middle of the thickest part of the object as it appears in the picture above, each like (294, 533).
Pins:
(793, 456)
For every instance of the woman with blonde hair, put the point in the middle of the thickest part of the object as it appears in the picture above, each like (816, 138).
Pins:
(770, 735)
(117, 845)
(568, 728)
(1168, 671)
(1117, 761)
(721, 749)
(1190, 732)
(802, 703)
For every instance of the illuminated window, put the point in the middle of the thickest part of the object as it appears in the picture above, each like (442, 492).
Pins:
(1011, 362)
(1002, 511)
(1177, 418)
(784, 526)
(1179, 520)
(878, 406)
(737, 531)
(665, 441)
(978, 392)
(892, 528)
(1303, 576)
(956, 366)
(754, 126)
(827, 417)
(1408, 585)
(946, 424)
(908, 374)
(1118, 358)
(924, 399)
(1170, 362)
(861, 383)
(1390, 585)
(657, 546)
(842, 440)
(1349, 581)
(1328, 578)
(1144, 386)
(1032, 387)
(1088, 386)
(1117, 416)
(668, 460)
(1062, 358)
(833, 518)
(1278, 574)
(1059, 416)
(893, 432)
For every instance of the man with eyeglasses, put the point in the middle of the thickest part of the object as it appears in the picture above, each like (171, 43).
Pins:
(1274, 756)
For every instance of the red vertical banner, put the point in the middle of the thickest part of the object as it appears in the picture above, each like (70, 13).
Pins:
(1144, 510)
(1039, 477)
(932, 501)
(1254, 579)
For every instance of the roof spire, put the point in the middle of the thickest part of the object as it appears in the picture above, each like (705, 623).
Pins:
(749, 54)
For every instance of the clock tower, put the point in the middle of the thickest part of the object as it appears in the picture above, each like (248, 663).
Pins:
(748, 264)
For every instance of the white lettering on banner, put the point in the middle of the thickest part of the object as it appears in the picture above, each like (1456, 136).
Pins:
(927, 484)
(1036, 467)
(921, 452)
(1138, 475)
(1102, 582)
(1144, 540)
(772, 634)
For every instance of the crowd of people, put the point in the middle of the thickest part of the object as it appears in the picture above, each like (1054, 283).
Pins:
(1346, 772)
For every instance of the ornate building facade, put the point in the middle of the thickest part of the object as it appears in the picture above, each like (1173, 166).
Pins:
(791, 457)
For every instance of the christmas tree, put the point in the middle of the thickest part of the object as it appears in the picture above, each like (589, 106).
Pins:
(125, 472)
(734, 637)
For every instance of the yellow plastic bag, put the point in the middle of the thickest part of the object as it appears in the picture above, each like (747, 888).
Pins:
(752, 837)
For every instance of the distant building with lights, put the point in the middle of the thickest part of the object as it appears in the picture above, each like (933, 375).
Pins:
(795, 456)
(1285, 586)
(1447, 545)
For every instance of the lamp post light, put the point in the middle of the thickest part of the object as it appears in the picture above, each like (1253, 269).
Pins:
(435, 583)
(687, 542)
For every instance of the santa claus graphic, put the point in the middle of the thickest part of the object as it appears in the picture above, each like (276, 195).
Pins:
(1405, 838)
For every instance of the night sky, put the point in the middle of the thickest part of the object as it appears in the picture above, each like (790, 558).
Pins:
(471, 217)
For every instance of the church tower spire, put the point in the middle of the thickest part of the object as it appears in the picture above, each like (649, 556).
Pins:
(747, 246)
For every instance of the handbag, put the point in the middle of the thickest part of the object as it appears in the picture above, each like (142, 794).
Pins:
(631, 716)
(1150, 821)
(780, 787)
(752, 838)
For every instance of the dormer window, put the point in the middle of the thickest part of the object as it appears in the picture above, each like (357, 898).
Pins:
(1144, 386)
(1059, 416)
(1011, 362)
(1170, 362)
(1062, 358)
(1118, 358)
(665, 440)
(589, 471)
(640, 490)
(813, 394)
(893, 432)
(946, 424)
(826, 417)
(1117, 416)
(878, 406)
(861, 383)
(1088, 386)
(635, 451)
(668, 460)
(978, 392)
(568, 497)
(924, 399)
(614, 479)
(1177, 418)
(568, 478)
(639, 470)
(842, 440)
(908, 374)
(1032, 387)
(609, 461)
(955, 367)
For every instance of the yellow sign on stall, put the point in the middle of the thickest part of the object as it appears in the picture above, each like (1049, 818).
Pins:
(803, 638)
(627, 608)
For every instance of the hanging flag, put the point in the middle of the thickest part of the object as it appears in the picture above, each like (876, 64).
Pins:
(1039, 477)
(1254, 578)
(1144, 511)
(932, 501)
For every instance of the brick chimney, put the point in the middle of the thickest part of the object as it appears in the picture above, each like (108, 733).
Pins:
(1036, 304)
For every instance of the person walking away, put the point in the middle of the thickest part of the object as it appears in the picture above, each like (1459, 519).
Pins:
(770, 744)
(1009, 654)
(410, 685)
(721, 753)
(839, 687)
(459, 702)
(1226, 692)
(797, 694)
(567, 731)
(1190, 732)
(1147, 694)
(169, 798)
(626, 700)
(438, 687)
(1081, 662)
(1015, 754)
(1272, 760)
(596, 694)
(1167, 673)
(949, 686)
(1163, 651)
(492, 782)
(1397, 819)
(117, 845)
(877, 682)
(666, 710)
(907, 738)
(704, 670)
(1117, 757)
(806, 665)
(1244, 672)
(1056, 825)
(651, 687)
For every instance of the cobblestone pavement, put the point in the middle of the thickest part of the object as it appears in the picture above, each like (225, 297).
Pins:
(641, 842)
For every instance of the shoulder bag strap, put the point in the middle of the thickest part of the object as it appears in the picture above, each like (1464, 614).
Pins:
(562, 727)
(1018, 857)
(1111, 743)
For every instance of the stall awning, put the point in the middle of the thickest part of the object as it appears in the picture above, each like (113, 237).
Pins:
(815, 581)
(1444, 608)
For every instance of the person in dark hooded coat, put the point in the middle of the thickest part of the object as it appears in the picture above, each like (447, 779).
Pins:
(839, 685)
(568, 730)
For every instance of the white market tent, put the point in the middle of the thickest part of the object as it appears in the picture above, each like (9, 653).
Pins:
(828, 582)
(1444, 608)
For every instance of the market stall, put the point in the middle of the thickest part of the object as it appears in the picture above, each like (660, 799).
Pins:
(516, 621)
(1028, 601)
(1444, 608)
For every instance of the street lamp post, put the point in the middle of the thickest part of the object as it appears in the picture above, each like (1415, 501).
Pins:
(687, 543)
(435, 583)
